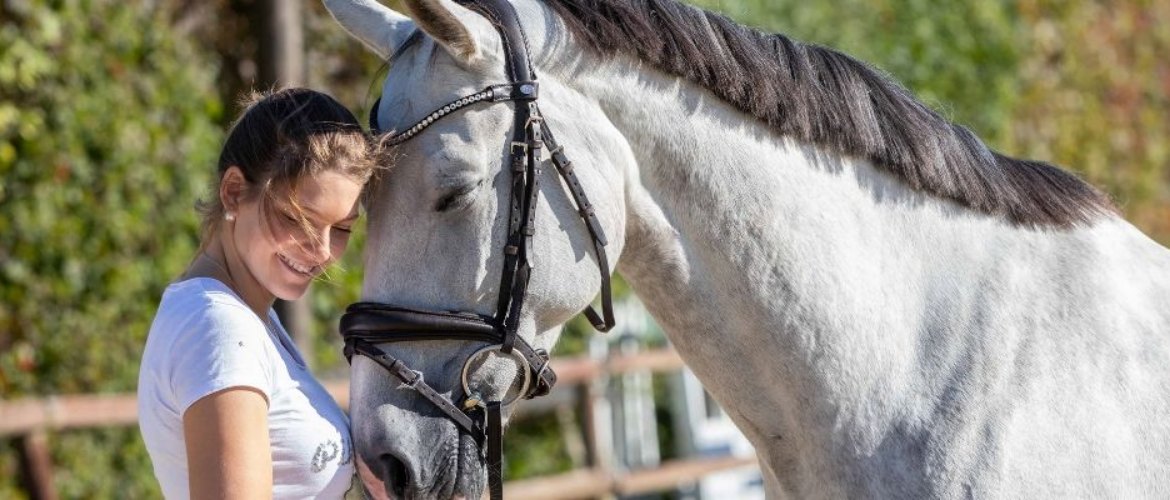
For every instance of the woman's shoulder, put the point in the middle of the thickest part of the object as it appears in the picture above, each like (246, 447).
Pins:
(204, 338)
(202, 314)
(204, 300)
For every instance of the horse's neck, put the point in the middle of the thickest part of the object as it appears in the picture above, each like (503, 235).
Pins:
(757, 254)
(724, 215)
(807, 289)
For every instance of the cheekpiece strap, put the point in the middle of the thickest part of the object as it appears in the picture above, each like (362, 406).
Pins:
(495, 450)
(605, 321)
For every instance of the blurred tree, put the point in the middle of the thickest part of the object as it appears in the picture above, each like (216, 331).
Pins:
(106, 132)
(108, 126)
(959, 57)
(1095, 96)
(111, 116)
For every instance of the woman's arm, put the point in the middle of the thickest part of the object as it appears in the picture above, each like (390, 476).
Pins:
(228, 454)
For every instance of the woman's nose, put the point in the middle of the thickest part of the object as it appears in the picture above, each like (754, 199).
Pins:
(320, 248)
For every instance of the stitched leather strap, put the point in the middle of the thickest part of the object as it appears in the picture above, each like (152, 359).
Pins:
(495, 451)
(596, 233)
(391, 322)
(507, 22)
(376, 323)
(415, 381)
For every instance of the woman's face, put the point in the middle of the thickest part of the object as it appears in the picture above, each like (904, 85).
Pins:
(282, 255)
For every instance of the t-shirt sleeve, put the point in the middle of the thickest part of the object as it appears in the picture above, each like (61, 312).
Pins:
(221, 347)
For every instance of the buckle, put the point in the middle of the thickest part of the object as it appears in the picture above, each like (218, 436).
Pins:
(500, 92)
(474, 401)
(519, 91)
(534, 117)
(414, 382)
(544, 367)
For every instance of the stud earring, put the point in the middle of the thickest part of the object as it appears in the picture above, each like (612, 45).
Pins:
(229, 217)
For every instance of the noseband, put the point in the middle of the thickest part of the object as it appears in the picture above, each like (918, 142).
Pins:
(365, 324)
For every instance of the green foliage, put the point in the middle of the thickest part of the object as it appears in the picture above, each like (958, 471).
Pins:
(103, 463)
(108, 134)
(111, 117)
(536, 447)
(958, 57)
(1096, 97)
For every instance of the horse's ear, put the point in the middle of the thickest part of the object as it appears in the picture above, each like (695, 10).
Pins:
(463, 33)
(377, 26)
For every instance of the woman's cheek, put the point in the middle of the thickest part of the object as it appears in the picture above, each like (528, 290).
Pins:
(338, 245)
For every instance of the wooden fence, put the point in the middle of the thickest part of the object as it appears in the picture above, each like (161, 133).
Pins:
(30, 420)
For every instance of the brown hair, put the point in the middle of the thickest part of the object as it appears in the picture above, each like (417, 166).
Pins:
(279, 138)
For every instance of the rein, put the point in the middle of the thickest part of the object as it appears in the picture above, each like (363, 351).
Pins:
(365, 324)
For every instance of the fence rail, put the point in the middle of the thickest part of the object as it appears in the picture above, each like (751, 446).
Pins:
(30, 420)
(24, 416)
(594, 483)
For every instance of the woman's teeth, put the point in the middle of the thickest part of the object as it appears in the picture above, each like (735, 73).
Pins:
(306, 270)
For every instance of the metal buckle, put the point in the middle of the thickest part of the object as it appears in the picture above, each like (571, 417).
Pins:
(473, 401)
(502, 92)
(543, 368)
(413, 383)
(525, 369)
(533, 117)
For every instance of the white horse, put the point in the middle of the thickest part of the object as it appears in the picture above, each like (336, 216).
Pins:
(885, 307)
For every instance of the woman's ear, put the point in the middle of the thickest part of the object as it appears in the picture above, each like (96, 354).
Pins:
(232, 187)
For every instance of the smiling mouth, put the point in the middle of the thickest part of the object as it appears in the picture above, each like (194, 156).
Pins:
(300, 269)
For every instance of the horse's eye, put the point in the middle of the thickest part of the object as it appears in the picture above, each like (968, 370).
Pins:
(457, 198)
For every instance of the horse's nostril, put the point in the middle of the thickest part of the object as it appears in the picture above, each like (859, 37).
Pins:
(398, 477)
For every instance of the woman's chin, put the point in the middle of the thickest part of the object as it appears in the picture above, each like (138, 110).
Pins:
(291, 293)
(289, 284)
(289, 288)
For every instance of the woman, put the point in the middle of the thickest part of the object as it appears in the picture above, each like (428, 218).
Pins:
(227, 406)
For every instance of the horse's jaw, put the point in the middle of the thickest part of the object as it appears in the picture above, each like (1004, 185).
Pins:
(405, 448)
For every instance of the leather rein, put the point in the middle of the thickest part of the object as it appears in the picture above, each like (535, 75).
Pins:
(365, 324)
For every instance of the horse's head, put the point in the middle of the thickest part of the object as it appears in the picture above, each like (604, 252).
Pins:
(440, 224)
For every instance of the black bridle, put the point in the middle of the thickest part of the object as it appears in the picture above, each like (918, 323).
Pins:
(365, 323)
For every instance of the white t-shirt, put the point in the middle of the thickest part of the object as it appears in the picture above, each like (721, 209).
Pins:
(205, 339)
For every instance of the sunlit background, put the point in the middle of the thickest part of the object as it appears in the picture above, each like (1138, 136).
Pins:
(112, 113)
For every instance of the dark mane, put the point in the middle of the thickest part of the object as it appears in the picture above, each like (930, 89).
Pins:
(822, 96)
